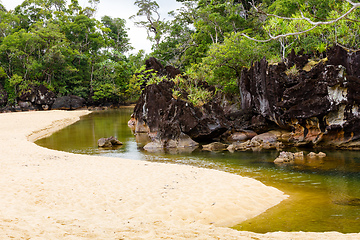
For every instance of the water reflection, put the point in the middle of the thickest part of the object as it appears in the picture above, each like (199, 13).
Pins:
(325, 192)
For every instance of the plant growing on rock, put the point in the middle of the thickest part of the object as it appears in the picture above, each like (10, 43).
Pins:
(293, 71)
(192, 90)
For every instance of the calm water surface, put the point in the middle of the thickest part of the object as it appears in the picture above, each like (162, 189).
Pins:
(324, 193)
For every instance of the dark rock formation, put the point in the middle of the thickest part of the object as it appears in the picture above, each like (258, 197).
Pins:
(320, 107)
(26, 105)
(315, 105)
(300, 59)
(70, 102)
(152, 65)
(108, 142)
(172, 72)
(167, 118)
(3, 96)
(38, 97)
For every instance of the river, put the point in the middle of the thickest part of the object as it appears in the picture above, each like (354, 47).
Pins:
(324, 193)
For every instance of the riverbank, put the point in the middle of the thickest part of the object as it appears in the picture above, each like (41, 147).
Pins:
(48, 194)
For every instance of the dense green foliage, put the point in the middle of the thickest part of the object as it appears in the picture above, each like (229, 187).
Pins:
(62, 46)
(66, 49)
(206, 37)
(215, 49)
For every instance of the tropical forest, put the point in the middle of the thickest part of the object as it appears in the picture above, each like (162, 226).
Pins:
(63, 47)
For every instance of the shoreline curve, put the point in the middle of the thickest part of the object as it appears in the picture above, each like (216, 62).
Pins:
(48, 194)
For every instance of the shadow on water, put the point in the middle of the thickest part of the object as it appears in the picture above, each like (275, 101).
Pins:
(324, 193)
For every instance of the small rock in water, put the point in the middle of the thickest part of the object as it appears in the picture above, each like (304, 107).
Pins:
(348, 201)
(108, 142)
(215, 146)
(320, 154)
(285, 157)
(299, 155)
(311, 155)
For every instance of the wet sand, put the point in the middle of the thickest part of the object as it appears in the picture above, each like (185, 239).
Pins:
(47, 194)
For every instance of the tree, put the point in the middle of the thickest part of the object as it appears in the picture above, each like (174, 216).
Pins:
(177, 37)
(153, 25)
(8, 24)
(304, 22)
(214, 20)
(35, 56)
(61, 46)
(225, 61)
(2, 8)
(116, 31)
(32, 11)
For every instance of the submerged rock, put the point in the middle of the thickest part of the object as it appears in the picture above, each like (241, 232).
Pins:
(348, 201)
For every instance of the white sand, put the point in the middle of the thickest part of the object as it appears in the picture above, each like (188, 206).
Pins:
(47, 194)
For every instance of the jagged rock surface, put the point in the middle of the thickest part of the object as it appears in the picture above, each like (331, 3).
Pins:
(38, 97)
(159, 114)
(316, 105)
(320, 107)
(152, 65)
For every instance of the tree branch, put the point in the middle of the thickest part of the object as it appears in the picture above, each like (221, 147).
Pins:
(315, 24)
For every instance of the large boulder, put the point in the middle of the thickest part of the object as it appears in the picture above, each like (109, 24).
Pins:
(70, 102)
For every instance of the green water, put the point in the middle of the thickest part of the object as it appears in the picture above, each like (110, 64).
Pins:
(324, 194)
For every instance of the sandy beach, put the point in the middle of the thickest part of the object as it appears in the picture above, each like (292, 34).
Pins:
(47, 194)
